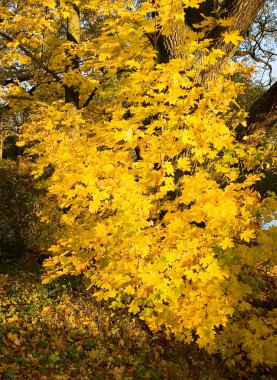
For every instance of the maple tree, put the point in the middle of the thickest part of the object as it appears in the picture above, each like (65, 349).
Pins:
(133, 132)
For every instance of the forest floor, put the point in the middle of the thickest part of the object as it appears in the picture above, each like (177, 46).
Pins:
(58, 331)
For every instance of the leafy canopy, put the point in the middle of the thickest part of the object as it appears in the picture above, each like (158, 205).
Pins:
(150, 190)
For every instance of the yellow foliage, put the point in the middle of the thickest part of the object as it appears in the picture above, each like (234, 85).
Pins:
(155, 200)
(232, 37)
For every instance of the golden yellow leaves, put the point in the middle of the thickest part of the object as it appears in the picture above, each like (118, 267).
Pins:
(169, 169)
(248, 235)
(192, 3)
(130, 290)
(227, 22)
(232, 37)
(253, 335)
(149, 206)
(227, 243)
(184, 164)
(212, 58)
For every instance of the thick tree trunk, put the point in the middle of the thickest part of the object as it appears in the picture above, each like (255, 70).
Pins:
(73, 35)
(263, 113)
(167, 46)
(243, 11)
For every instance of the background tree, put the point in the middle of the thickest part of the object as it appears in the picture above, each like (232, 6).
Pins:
(259, 45)
(10, 123)
(17, 209)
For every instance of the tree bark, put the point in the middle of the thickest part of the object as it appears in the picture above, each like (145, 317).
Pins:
(263, 113)
(73, 35)
(167, 45)
(244, 12)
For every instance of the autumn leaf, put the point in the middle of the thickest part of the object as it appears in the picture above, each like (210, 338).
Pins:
(192, 3)
(248, 235)
(227, 22)
(227, 243)
(14, 338)
(232, 37)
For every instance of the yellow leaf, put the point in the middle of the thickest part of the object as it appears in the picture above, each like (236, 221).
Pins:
(192, 3)
(227, 243)
(184, 164)
(227, 22)
(232, 37)
(128, 135)
(129, 290)
(247, 235)
(14, 338)
(169, 169)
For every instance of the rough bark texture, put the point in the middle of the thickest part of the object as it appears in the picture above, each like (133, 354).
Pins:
(74, 36)
(244, 12)
(167, 46)
(263, 113)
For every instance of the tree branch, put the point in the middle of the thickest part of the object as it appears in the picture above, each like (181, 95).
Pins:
(89, 99)
(20, 78)
(23, 97)
(29, 54)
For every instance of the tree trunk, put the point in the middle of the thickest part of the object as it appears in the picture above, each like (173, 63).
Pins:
(263, 113)
(167, 45)
(244, 12)
(73, 35)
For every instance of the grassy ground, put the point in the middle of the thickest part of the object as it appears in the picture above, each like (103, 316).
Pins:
(58, 331)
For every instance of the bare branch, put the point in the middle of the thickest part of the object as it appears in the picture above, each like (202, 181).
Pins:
(89, 99)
